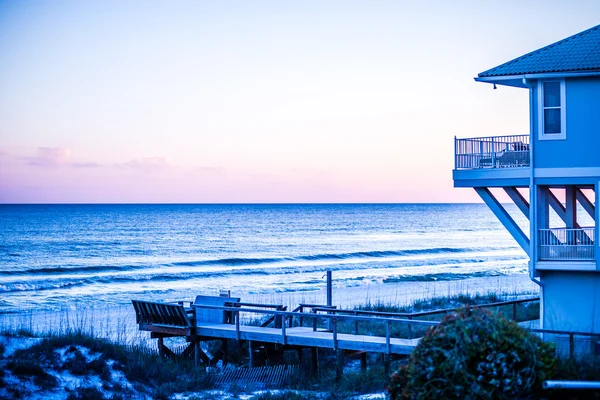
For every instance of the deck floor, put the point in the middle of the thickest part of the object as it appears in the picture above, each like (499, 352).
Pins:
(302, 336)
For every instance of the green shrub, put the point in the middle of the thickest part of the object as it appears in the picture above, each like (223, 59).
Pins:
(26, 369)
(89, 393)
(474, 354)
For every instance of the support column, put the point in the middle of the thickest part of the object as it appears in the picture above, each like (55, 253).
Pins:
(225, 350)
(570, 207)
(339, 370)
(363, 362)
(250, 354)
(161, 347)
(386, 362)
(314, 361)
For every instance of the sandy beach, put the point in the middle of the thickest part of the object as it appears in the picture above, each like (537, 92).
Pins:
(118, 322)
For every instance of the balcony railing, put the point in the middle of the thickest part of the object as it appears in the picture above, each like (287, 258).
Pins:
(566, 244)
(492, 152)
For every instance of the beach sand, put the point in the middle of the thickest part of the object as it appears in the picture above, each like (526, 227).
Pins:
(118, 322)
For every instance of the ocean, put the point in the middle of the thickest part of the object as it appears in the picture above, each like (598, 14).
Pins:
(58, 256)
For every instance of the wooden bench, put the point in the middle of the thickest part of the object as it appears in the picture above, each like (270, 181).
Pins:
(166, 318)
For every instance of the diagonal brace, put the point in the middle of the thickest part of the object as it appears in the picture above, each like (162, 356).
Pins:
(518, 199)
(587, 205)
(504, 217)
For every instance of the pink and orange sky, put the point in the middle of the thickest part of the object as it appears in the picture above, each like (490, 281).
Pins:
(257, 101)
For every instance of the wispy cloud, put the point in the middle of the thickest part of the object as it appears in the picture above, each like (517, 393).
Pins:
(85, 165)
(55, 157)
(52, 157)
(148, 164)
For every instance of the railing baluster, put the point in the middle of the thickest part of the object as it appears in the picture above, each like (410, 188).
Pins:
(566, 244)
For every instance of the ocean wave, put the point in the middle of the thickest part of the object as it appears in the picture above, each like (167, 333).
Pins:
(38, 283)
(235, 261)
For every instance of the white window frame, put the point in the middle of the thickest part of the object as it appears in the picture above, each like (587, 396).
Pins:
(563, 111)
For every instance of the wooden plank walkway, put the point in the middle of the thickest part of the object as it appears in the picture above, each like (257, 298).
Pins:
(306, 337)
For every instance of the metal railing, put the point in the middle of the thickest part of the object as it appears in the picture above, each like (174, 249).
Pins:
(566, 244)
(492, 152)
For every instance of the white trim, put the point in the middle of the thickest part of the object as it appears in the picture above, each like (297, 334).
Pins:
(566, 265)
(546, 75)
(491, 173)
(584, 172)
(563, 111)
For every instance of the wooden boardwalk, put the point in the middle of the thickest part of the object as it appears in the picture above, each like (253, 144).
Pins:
(306, 337)
(211, 318)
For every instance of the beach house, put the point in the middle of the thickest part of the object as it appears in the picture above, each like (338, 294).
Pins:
(551, 174)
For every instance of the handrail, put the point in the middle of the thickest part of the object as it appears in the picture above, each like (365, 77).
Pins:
(431, 312)
(492, 152)
(288, 314)
(333, 317)
(566, 243)
(571, 335)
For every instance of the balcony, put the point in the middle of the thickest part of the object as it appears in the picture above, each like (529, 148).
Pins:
(565, 244)
(492, 161)
(492, 152)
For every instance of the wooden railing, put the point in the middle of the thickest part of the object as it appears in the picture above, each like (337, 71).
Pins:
(492, 152)
(410, 316)
(334, 318)
(566, 244)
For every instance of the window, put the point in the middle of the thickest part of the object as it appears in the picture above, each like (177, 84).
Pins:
(551, 110)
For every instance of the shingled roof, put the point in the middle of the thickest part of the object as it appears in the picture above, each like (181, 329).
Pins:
(577, 53)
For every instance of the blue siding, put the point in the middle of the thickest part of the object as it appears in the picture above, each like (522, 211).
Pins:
(582, 145)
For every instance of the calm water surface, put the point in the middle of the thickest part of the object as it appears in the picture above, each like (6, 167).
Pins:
(52, 256)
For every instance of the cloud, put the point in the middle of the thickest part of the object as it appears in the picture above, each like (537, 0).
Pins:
(85, 165)
(149, 164)
(52, 157)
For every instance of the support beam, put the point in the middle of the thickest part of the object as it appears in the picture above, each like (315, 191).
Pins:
(587, 205)
(504, 217)
(556, 205)
(518, 199)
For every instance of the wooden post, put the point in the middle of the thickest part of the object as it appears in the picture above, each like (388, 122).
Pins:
(225, 348)
(237, 324)
(386, 363)
(571, 345)
(515, 312)
(339, 370)
(284, 337)
(314, 360)
(363, 362)
(335, 338)
(197, 351)
(329, 296)
(250, 354)
(161, 346)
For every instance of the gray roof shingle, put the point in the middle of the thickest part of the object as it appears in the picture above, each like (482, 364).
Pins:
(577, 53)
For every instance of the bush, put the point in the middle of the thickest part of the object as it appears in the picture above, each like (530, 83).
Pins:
(474, 354)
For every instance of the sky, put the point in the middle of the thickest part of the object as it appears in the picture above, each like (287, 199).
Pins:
(258, 101)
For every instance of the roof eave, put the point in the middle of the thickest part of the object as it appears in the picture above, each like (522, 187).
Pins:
(520, 80)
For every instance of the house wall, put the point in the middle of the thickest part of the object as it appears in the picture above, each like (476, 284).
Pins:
(571, 301)
(583, 128)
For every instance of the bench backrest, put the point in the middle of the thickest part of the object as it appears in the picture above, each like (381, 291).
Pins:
(166, 314)
(213, 316)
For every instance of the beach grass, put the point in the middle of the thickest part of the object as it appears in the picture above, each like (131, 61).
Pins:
(117, 349)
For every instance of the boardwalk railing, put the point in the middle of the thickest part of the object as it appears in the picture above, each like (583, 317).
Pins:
(334, 318)
(566, 244)
(492, 152)
(410, 316)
